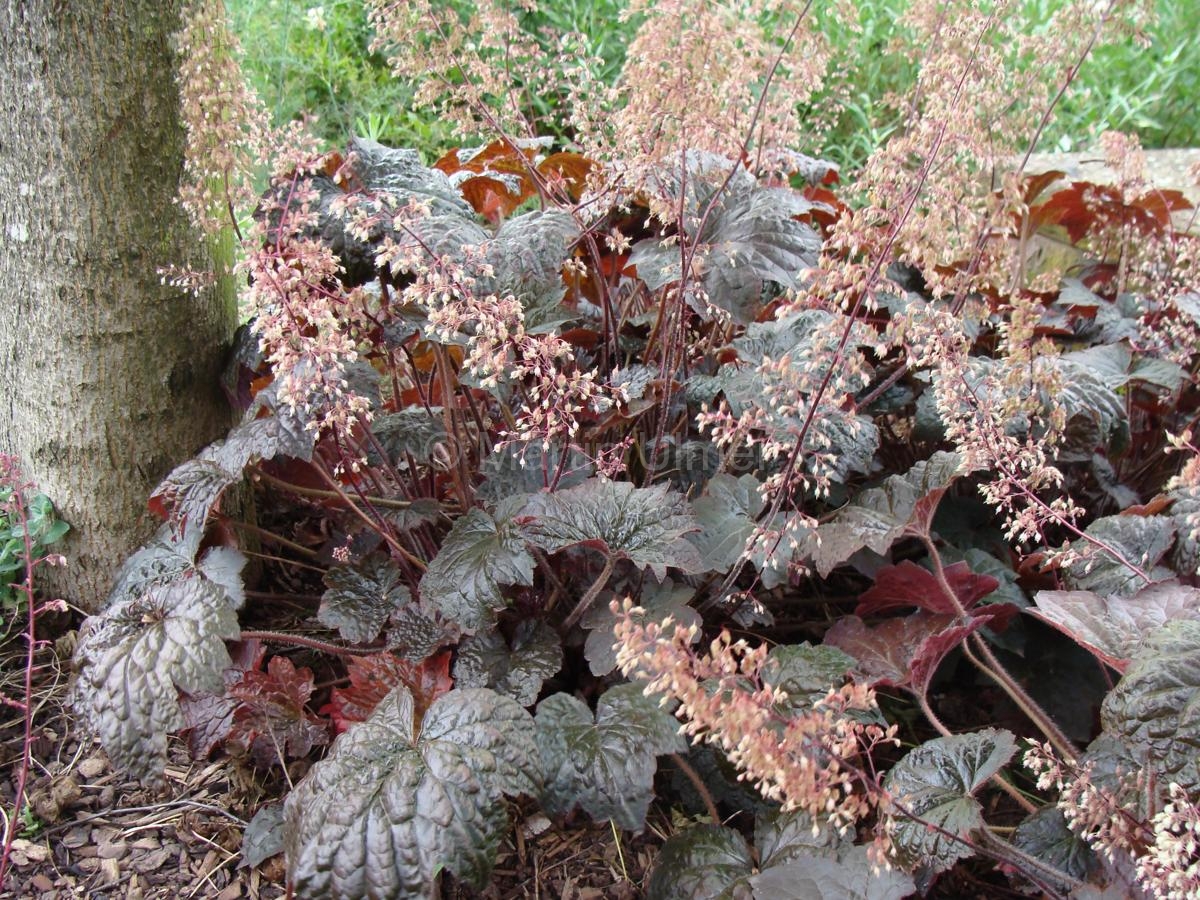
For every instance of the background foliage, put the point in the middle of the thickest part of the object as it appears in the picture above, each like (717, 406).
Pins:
(316, 60)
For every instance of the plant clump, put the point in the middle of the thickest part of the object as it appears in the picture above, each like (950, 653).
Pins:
(571, 449)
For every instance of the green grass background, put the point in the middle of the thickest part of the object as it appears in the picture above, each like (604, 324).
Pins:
(330, 72)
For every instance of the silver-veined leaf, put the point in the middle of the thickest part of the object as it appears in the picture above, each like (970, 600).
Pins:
(152, 641)
(1139, 540)
(479, 555)
(605, 763)
(396, 801)
(1156, 706)
(644, 525)
(935, 784)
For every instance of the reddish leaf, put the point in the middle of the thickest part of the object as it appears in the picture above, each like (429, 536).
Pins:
(920, 523)
(908, 584)
(271, 719)
(373, 677)
(901, 652)
(1156, 505)
(1112, 627)
(209, 717)
(1159, 205)
(495, 156)
(490, 197)
(572, 168)
(819, 215)
(1035, 185)
(585, 338)
(935, 647)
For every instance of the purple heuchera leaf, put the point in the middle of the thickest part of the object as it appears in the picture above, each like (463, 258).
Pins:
(1112, 626)
(644, 525)
(481, 553)
(907, 585)
(412, 799)
(934, 784)
(902, 652)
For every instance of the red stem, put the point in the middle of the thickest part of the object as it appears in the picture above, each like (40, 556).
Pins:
(17, 503)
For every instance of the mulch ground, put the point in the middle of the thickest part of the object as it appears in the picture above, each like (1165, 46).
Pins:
(94, 833)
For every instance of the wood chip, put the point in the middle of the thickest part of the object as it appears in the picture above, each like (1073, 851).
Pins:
(153, 860)
(110, 871)
(41, 882)
(93, 767)
(25, 852)
(77, 837)
(112, 850)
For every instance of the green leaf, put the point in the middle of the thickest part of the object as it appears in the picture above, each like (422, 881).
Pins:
(486, 660)
(422, 511)
(414, 632)
(527, 256)
(806, 673)
(1113, 627)
(152, 642)
(1156, 706)
(876, 518)
(935, 784)
(750, 237)
(192, 489)
(362, 597)
(644, 525)
(805, 344)
(168, 556)
(524, 259)
(286, 427)
(726, 514)
(605, 765)
(410, 800)
(1095, 414)
(658, 600)
(478, 556)
(1046, 836)
(785, 837)
(513, 470)
(1117, 365)
(850, 876)
(710, 861)
(1185, 558)
(400, 172)
(700, 863)
(410, 432)
(1140, 540)
(263, 837)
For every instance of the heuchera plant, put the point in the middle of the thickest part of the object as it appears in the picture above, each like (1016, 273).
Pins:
(556, 450)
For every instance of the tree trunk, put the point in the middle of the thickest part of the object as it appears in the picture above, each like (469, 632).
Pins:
(109, 378)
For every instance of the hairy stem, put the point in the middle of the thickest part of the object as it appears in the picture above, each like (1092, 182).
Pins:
(993, 668)
(1019, 798)
(701, 788)
(590, 597)
(296, 640)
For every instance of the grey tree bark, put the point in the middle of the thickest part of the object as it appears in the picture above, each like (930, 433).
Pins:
(108, 379)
